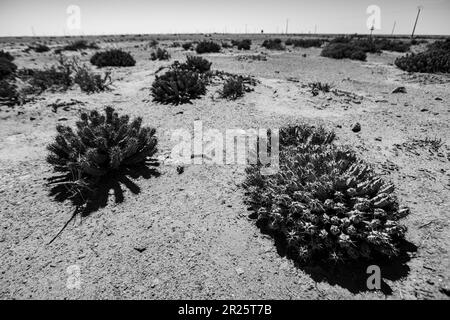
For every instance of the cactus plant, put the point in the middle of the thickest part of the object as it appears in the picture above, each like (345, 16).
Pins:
(100, 145)
(326, 203)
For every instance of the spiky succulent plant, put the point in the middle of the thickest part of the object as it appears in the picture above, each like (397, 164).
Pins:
(100, 145)
(327, 204)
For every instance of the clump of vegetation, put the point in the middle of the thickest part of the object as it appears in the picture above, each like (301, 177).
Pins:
(233, 88)
(113, 58)
(160, 54)
(194, 63)
(153, 43)
(178, 86)
(7, 68)
(318, 86)
(90, 82)
(342, 50)
(6, 55)
(227, 45)
(324, 204)
(9, 95)
(40, 48)
(175, 44)
(307, 43)
(392, 45)
(100, 145)
(435, 59)
(244, 44)
(79, 45)
(187, 46)
(207, 47)
(273, 44)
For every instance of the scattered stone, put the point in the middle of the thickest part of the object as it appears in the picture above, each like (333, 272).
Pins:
(155, 282)
(180, 169)
(423, 110)
(140, 249)
(32, 118)
(438, 99)
(239, 271)
(445, 290)
(356, 127)
(378, 138)
(399, 90)
(62, 119)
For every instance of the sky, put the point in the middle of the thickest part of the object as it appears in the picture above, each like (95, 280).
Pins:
(50, 17)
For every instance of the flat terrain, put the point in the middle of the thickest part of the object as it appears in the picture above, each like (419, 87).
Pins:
(188, 235)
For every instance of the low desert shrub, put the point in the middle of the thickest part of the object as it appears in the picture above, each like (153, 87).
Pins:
(113, 58)
(392, 45)
(318, 86)
(435, 59)
(9, 95)
(227, 45)
(40, 48)
(194, 63)
(100, 145)
(79, 45)
(307, 43)
(187, 46)
(244, 44)
(57, 77)
(273, 44)
(178, 86)
(207, 47)
(160, 54)
(153, 43)
(342, 50)
(90, 82)
(324, 204)
(7, 68)
(6, 55)
(233, 88)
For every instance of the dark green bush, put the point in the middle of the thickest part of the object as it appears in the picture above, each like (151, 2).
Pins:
(342, 50)
(244, 44)
(7, 68)
(207, 47)
(6, 55)
(233, 88)
(318, 86)
(307, 43)
(187, 46)
(57, 77)
(430, 61)
(79, 45)
(178, 86)
(90, 82)
(392, 45)
(160, 54)
(101, 144)
(40, 48)
(273, 44)
(113, 58)
(9, 95)
(324, 203)
(195, 63)
(227, 45)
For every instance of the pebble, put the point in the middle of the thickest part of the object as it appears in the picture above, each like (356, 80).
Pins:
(356, 127)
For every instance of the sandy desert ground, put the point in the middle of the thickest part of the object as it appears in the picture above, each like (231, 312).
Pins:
(188, 235)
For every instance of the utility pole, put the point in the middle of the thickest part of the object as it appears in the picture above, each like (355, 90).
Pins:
(287, 25)
(315, 29)
(415, 23)
(393, 28)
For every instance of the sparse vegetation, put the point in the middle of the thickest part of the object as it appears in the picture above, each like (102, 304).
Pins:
(9, 95)
(79, 45)
(317, 87)
(40, 48)
(244, 44)
(7, 68)
(435, 59)
(101, 145)
(113, 58)
(207, 47)
(342, 50)
(160, 54)
(194, 63)
(90, 82)
(323, 203)
(187, 46)
(6, 55)
(273, 44)
(233, 88)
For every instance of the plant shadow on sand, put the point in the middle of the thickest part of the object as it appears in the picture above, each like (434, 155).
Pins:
(112, 181)
(351, 276)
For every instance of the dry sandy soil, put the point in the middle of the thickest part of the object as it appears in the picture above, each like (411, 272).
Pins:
(189, 235)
